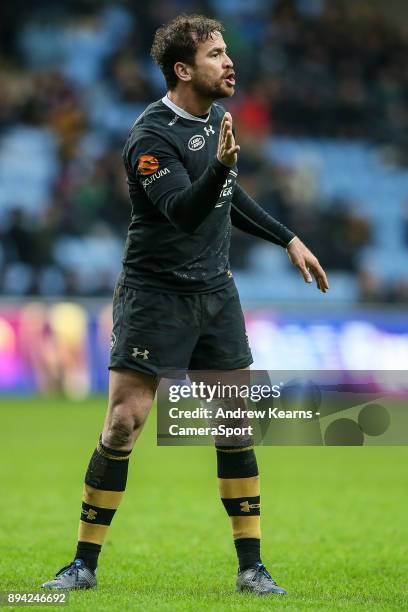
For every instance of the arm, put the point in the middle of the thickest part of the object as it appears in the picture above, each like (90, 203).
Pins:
(185, 204)
(248, 216)
(251, 218)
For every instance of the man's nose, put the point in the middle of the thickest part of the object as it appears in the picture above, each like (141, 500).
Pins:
(228, 63)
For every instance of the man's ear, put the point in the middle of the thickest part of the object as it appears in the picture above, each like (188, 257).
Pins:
(183, 71)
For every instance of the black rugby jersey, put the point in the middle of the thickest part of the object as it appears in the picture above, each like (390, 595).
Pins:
(182, 203)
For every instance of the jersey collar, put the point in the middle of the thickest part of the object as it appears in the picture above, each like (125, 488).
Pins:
(181, 112)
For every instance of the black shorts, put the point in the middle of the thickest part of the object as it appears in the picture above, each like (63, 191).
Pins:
(166, 334)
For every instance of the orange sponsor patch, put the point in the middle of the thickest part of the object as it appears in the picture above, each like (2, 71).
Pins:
(147, 164)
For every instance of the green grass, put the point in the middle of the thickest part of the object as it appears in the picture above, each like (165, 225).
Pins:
(334, 521)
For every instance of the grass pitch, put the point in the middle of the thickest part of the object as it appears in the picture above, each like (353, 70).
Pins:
(334, 523)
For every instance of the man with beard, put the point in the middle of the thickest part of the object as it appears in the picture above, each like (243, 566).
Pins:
(175, 306)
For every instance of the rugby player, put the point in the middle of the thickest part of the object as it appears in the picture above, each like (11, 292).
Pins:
(175, 306)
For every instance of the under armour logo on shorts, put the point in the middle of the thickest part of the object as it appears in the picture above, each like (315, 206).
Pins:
(144, 354)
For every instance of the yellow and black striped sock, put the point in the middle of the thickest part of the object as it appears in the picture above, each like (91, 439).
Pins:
(105, 483)
(238, 480)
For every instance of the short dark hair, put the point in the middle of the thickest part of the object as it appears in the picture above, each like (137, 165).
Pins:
(177, 41)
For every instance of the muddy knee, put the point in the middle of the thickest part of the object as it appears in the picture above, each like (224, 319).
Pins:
(122, 426)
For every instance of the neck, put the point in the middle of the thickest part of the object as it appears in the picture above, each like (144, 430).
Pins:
(190, 101)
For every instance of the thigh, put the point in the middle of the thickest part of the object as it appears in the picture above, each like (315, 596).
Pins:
(223, 342)
(133, 388)
(153, 333)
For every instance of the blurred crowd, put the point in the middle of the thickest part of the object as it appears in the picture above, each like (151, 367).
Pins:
(75, 75)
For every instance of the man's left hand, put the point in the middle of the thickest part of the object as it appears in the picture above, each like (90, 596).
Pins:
(307, 263)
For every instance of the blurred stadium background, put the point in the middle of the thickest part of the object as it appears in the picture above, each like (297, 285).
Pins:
(322, 118)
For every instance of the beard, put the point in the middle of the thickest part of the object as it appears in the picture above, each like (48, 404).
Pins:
(210, 89)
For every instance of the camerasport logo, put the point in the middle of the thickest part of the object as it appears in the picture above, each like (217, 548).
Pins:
(147, 164)
(196, 142)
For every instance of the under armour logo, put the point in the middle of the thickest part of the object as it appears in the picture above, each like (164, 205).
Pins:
(89, 514)
(139, 353)
(209, 130)
(247, 507)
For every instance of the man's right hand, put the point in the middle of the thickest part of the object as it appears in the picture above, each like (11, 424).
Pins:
(228, 151)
